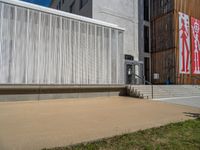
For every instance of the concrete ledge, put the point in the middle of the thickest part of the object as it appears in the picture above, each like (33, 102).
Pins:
(44, 92)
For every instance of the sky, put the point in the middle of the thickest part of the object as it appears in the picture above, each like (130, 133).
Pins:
(39, 2)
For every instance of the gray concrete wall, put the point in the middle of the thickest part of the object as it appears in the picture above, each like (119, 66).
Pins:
(125, 14)
(46, 92)
(142, 23)
(128, 14)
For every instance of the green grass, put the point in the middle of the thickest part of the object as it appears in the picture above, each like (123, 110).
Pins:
(183, 135)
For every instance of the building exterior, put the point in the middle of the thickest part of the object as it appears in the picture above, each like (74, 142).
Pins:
(168, 52)
(83, 7)
(32, 52)
(131, 15)
(43, 46)
(159, 48)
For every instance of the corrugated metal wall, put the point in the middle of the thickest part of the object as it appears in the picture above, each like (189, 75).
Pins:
(191, 8)
(164, 38)
(162, 30)
(164, 65)
(42, 48)
(162, 41)
(160, 8)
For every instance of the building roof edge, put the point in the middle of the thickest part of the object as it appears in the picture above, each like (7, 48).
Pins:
(60, 13)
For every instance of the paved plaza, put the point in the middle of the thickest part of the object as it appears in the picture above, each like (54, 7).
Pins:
(39, 124)
(187, 101)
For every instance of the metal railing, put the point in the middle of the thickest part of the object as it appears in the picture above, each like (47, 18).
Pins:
(146, 82)
(194, 79)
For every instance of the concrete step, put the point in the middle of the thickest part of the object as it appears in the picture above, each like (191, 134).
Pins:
(166, 91)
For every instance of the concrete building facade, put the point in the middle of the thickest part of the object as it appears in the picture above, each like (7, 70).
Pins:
(40, 45)
(133, 16)
(83, 7)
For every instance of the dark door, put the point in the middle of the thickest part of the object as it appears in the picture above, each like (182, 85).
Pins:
(129, 72)
(147, 68)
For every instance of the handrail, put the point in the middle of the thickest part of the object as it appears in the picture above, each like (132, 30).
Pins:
(145, 81)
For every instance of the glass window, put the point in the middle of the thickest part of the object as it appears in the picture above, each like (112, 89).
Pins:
(161, 3)
(83, 3)
(72, 7)
(146, 39)
(59, 5)
(146, 10)
(147, 68)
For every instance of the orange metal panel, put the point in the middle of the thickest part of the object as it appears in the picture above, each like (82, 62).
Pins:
(191, 8)
(165, 40)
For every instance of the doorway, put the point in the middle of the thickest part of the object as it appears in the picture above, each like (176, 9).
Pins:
(147, 69)
(134, 72)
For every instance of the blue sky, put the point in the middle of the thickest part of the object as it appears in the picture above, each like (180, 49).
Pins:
(39, 2)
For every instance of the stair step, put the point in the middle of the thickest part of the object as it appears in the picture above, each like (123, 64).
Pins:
(165, 91)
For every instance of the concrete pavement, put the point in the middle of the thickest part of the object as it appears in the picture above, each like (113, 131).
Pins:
(39, 124)
(187, 101)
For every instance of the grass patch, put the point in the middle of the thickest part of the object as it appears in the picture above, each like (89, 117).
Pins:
(183, 135)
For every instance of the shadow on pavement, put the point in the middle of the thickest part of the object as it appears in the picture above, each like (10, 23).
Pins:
(193, 115)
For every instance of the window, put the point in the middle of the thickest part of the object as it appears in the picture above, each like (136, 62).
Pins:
(147, 68)
(59, 5)
(63, 1)
(146, 10)
(83, 3)
(146, 39)
(161, 3)
(72, 7)
(165, 5)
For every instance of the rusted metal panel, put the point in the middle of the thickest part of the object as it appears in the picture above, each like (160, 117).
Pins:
(165, 39)
(162, 30)
(191, 8)
(160, 8)
(162, 41)
(164, 65)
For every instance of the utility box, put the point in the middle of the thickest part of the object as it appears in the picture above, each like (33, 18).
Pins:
(156, 76)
